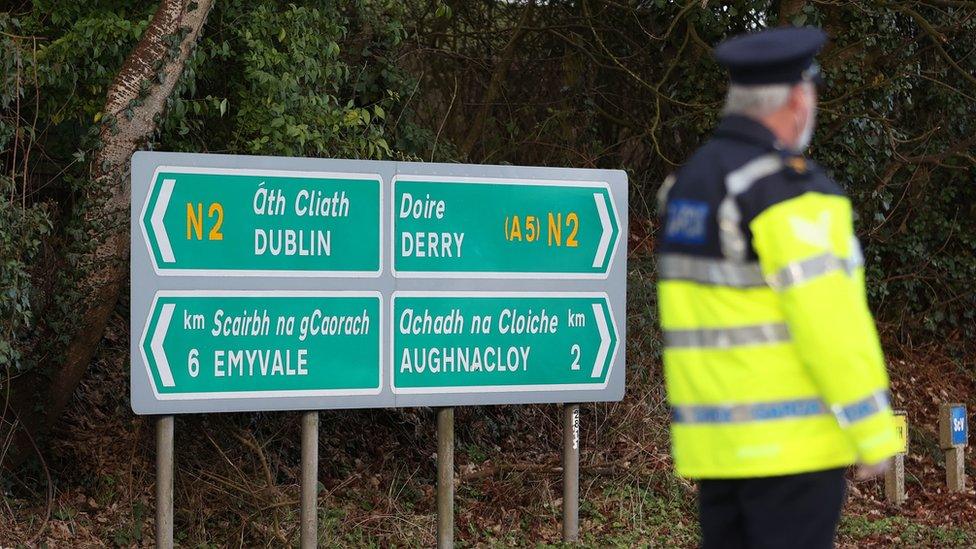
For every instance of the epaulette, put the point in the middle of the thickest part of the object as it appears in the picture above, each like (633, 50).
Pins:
(795, 166)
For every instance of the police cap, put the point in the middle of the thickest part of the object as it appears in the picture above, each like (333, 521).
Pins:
(782, 55)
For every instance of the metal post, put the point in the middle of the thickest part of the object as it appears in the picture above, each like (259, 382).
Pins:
(445, 478)
(164, 482)
(310, 480)
(571, 439)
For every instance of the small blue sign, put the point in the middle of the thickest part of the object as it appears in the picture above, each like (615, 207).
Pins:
(959, 426)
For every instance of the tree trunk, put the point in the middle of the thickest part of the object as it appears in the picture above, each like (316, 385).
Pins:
(135, 101)
(496, 82)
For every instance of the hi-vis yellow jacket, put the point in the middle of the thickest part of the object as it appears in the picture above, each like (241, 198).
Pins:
(771, 358)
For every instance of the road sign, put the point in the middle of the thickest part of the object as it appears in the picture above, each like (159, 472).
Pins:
(462, 227)
(213, 344)
(292, 236)
(218, 222)
(451, 342)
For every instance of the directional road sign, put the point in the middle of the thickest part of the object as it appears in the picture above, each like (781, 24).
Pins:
(450, 342)
(264, 283)
(217, 344)
(218, 222)
(462, 227)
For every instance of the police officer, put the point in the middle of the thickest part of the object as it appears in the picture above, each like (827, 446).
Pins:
(772, 363)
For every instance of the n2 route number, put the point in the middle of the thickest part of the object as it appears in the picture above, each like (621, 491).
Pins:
(528, 229)
(575, 351)
(194, 221)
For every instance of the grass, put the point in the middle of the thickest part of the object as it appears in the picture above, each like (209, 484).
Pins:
(899, 531)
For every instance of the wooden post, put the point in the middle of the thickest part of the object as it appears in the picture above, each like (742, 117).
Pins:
(164, 482)
(953, 438)
(895, 476)
(310, 480)
(445, 478)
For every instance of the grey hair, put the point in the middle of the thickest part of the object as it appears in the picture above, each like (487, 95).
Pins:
(756, 101)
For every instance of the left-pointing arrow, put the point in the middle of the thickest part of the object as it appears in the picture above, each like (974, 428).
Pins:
(159, 210)
(156, 345)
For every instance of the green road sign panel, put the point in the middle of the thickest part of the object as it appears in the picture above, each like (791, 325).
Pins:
(209, 221)
(457, 227)
(264, 283)
(450, 342)
(224, 344)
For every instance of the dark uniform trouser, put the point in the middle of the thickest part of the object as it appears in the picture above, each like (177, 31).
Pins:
(792, 511)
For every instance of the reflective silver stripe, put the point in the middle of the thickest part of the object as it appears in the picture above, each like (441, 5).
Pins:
(709, 271)
(813, 267)
(807, 269)
(743, 413)
(857, 256)
(724, 338)
(861, 409)
(783, 409)
(737, 182)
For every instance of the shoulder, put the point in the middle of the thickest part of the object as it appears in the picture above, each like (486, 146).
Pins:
(786, 176)
(706, 173)
(689, 199)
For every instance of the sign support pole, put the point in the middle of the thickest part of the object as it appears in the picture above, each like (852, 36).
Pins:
(164, 482)
(445, 478)
(310, 479)
(571, 443)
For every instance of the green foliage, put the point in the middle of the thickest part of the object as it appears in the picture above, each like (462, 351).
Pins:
(20, 246)
(267, 77)
(297, 80)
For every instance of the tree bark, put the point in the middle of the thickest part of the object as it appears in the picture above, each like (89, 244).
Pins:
(134, 103)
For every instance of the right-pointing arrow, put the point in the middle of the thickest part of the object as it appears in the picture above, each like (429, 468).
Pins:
(156, 345)
(159, 210)
(601, 354)
(601, 249)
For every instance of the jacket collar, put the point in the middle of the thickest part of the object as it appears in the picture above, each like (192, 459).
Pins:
(743, 128)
